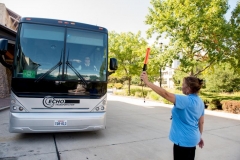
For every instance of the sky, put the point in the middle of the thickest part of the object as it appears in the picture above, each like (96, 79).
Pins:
(115, 15)
(118, 15)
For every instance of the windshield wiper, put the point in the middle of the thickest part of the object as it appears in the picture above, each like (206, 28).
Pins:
(50, 70)
(76, 72)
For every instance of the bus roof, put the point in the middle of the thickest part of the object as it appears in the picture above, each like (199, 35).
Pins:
(64, 23)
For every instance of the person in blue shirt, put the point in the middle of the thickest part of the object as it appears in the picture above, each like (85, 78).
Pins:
(187, 116)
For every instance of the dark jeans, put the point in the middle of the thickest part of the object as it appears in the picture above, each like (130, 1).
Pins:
(183, 153)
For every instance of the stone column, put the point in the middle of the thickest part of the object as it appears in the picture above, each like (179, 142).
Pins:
(4, 90)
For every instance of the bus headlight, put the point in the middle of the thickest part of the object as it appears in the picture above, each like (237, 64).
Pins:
(16, 108)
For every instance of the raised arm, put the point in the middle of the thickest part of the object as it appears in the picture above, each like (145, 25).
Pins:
(162, 92)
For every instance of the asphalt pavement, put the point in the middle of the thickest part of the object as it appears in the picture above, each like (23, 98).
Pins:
(136, 130)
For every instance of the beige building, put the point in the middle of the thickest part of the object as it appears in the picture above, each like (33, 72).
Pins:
(8, 27)
(8, 18)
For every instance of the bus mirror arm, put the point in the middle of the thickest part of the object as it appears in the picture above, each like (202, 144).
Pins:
(110, 72)
(3, 51)
(5, 64)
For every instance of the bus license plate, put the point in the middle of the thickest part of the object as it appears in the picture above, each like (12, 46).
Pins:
(60, 123)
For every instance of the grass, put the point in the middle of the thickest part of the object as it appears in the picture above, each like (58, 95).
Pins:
(222, 96)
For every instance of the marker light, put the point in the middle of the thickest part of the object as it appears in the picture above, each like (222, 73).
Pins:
(20, 108)
(104, 102)
(13, 101)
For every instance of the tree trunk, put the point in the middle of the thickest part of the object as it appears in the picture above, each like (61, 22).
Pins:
(129, 85)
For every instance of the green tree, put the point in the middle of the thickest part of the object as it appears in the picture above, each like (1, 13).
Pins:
(129, 49)
(222, 78)
(234, 41)
(178, 78)
(196, 28)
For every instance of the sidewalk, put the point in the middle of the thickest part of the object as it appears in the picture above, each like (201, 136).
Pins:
(150, 103)
(4, 103)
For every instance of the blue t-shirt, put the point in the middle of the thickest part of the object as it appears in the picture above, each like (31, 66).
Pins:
(185, 116)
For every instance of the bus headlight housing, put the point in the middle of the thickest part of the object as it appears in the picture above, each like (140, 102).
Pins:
(17, 106)
(101, 107)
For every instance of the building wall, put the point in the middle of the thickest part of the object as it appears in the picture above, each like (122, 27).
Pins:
(167, 75)
(5, 18)
(2, 13)
(5, 74)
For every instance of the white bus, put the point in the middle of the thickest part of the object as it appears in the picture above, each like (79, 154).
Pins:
(49, 91)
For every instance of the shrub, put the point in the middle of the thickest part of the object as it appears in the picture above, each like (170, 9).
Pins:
(231, 106)
(110, 85)
(217, 103)
(138, 94)
(165, 101)
(206, 101)
(118, 85)
(212, 103)
(134, 91)
(154, 96)
(122, 93)
(211, 106)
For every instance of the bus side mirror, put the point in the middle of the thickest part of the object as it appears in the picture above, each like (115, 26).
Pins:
(113, 64)
(3, 46)
(3, 50)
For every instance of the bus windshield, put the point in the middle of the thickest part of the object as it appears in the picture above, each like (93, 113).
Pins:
(60, 53)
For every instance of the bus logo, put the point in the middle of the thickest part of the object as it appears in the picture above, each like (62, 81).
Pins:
(50, 101)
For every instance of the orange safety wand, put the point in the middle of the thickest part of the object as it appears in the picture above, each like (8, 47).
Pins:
(146, 60)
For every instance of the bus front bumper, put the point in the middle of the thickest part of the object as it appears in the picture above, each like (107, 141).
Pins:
(56, 122)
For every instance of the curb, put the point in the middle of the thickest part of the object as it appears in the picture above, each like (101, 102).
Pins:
(3, 108)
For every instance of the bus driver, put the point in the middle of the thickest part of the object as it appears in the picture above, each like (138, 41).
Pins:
(87, 65)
